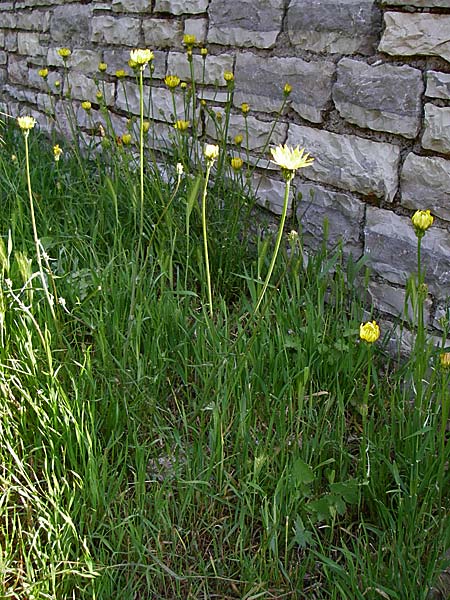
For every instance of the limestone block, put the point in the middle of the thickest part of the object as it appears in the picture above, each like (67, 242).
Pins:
(28, 43)
(33, 21)
(438, 85)
(269, 192)
(20, 94)
(70, 24)
(419, 3)
(3, 57)
(248, 23)
(436, 134)
(118, 59)
(2, 39)
(162, 33)
(409, 34)
(9, 20)
(382, 98)
(197, 27)
(257, 131)
(11, 41)
(349, 162)
(85, 88)
(425, 184)
(180, 7)
(391, 301)
(161, 108)
(346, 26)
(260, 82)
(144, 6)
(115, 30)
(215, 67)
(391, 245)
(343, 212)
(17, 69)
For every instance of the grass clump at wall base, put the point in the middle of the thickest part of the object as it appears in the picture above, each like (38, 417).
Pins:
(151, 451)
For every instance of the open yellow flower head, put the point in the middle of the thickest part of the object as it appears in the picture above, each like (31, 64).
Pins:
(182, 125)
(64, 53)
(141, 57)
(290, 159)
(369, 332)
(211, 152)
(245, 108)
(102, 67)
(422, 220)
(26, 123)
(172, 81)
(204, 52)
(237, 163)
(228, 76)
(120, 74)
(43, 73)
(86, 105)
(189, 40)
(57, 151)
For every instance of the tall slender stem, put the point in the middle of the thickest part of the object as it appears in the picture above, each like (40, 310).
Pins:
(205, 237)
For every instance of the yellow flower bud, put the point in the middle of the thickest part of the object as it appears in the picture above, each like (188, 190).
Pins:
(146, 126)
(183, 85)
(228, 76)
(64, 53)
(238, 139)
(422, 220)
(237, 163)
(369, 332)
(102, 67)
(120, 74)
(245, 108)
(43, 73)
(287, 89)
(204, 52)
(99, 95)
(182, 125)
(172, 81)
(445, 360)
(86, 105)
(126, 139)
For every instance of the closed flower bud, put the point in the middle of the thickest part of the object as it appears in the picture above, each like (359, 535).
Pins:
(422, 220)
(64, 53)
(287, 89)
(237, 163)
(228, 76)
(102, 67)
(238, 139)
(172, 81)
(245, 108)
(43, 73)
(369, 332)
(120, 74)
(86, 105)
(126, 139)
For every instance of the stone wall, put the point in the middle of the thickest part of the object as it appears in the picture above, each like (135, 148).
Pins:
(370, 101)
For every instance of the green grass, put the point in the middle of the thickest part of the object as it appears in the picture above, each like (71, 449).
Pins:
(151, 451)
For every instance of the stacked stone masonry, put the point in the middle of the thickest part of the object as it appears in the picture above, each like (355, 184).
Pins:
(370, 100)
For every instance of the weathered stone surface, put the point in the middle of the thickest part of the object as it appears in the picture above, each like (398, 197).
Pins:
(436, 134)
(418, 3)
(346, 26)
(425, 184)
(349, 162)
(28, 43)
(144, 6)
(257, 131)
(118, 59)
(215, 67)
(11, 41)
(248, 23)
(70, 24)
(391, 245)
(17, 69)
(9, 20)
(438, 85)
(383, 97)
(269, 192)
(180, 7)
(343, 212)
(260, 82)
(197, 27)
(33, 21)
(3, 57)
(162, 33)
(408, 34)
(391, 301)
(85, 88)
(161, 108)
(116, 30)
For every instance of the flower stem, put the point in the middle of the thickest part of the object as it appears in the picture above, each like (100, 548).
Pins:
(205, 237)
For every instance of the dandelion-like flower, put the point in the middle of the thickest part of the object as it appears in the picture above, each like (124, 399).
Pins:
(86, 105)
(126, 139)
(120, 74)
(211, 152)
(287, 89)
(189, 40)
(57, 84)
(290, 159)
(182, 125)
(228, 76)
(146, 126)
(238, 139)
(180, 169)
(183, 85)
(43, 73)
(26, 123)
(99, 95)
(245, 108)
(64, 53)
(57, 151)
(445, 360)
(102, 67)
(369, 332)
(141, 57)
(172, 81)
(237, 163)
(422, 220)
(204, 52)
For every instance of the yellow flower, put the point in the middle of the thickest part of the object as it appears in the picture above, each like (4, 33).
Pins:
(126, 139)
(120, 74)
(57, 152)
(102, 67)
(245, 108)
(211, 152)
(183, 85)
(57, 84)
(26, 123)
(172, 81)
(64, 53)
(422, 220)
(141, 57)
(189, 40)
(369, 332)
(43, 73)
(146, 126)
(204, 52)
(445, 360)
(132, 64)
(219, 116)
(99, 95)
(287, 89)
(237, 163)
(228, 76)
(182, 125)
(86, 105)
(238, 139)
(290, 159)
(293, 235)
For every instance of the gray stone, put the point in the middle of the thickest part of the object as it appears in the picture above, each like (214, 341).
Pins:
(180, 7)
(409, 34)
(349, 162)
(343, 212)
(392, 301)
(11, 41)
(33, 21)
(442, 316)
(436, 134)
(28, 43)
(116, 30)
(118, 60)
(17, 69)
(257, 131)
(161, 107)
(70, 24)
(215, 67)
(418, 3)
(391, 245)
(248, 23)
(346, 26)
(269, 192)
(382, 98)
(260, 82)
(3, 57)
(85, 88)
(438, 85)
(197, 27)
(9, 20)
(144, 6)
(162, 33)
(425, 184)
